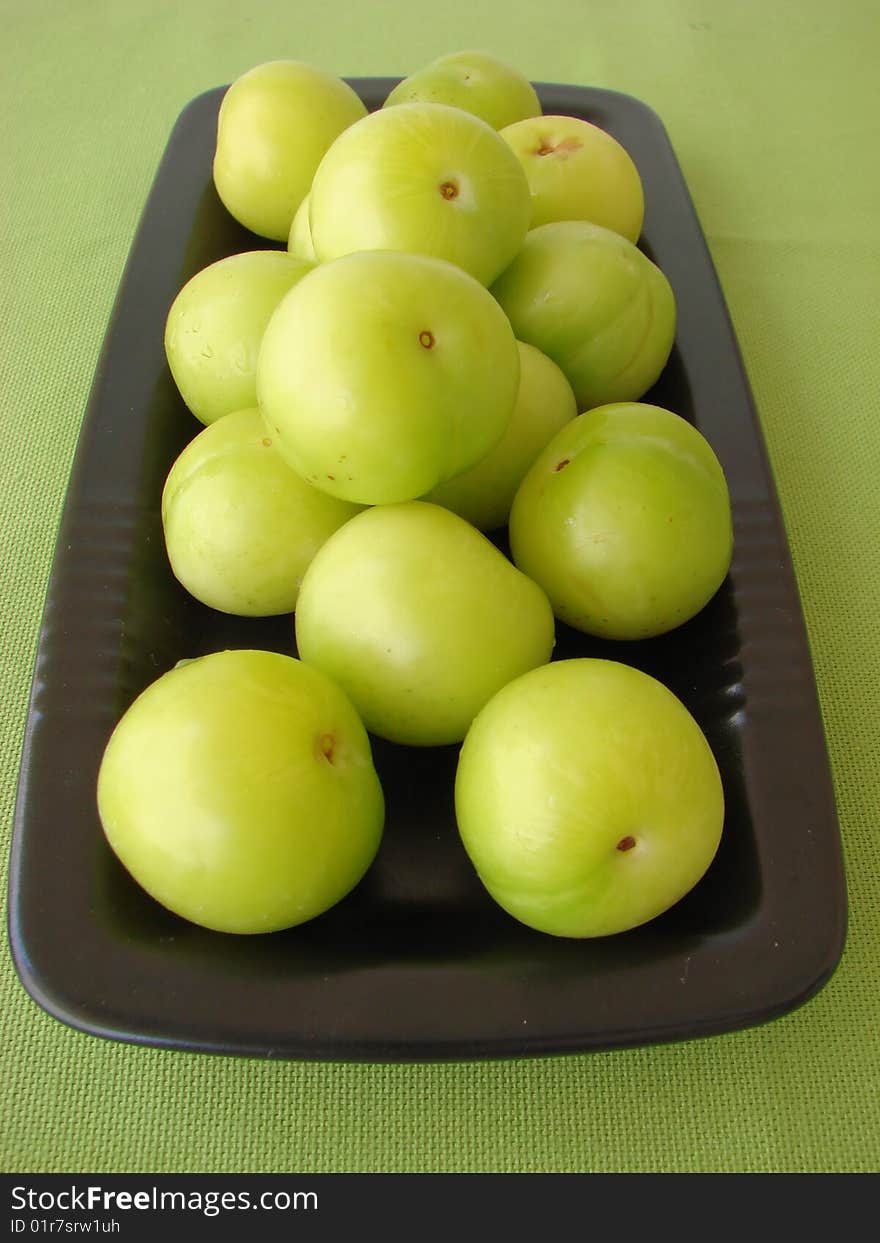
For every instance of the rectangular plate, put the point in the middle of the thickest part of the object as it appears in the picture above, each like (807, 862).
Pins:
(417, 963)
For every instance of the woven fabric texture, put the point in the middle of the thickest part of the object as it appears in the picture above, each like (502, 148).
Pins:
(774, 112)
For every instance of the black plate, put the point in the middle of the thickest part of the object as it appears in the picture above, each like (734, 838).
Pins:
(417, 963)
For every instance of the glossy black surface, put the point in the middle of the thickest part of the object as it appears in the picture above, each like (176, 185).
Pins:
(417, 963)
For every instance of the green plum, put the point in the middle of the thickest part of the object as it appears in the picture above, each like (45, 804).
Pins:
(595, 304)
(241, 526)
(624, 519)
(577, 171)
(239, 791)
(382, 373)
(474, 81)
(299, 243)
(425, 178)
(420, 620)
(276, 122)
(215, 326)
(484, 493)
(587, 798)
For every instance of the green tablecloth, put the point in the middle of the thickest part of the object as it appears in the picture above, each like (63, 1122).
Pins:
(774, 111)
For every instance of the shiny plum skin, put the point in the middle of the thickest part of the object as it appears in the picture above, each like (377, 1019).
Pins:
(276, 122)
(484, 494)
(588, 798)
(594, 303)
(239, 791)
(427, 179)
(420, 620)
(577, 171)
(216, 323)
(383, 373)
(625, 521)
(240, 526)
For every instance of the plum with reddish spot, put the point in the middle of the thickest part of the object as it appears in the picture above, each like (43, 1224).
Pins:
(587, 798)
(578, 171)
(625, 521)
(239, 791)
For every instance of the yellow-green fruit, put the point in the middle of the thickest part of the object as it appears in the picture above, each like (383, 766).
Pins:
(216, 324)
(420, 620)
(544, 403)
(299, 243)
(422, 178)
(577, 171)
(588, 798)
(241, 527)
(276, 122)
(624, 519)
(239, 791)
(383, 373)
(475, 82)
(595, 304)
